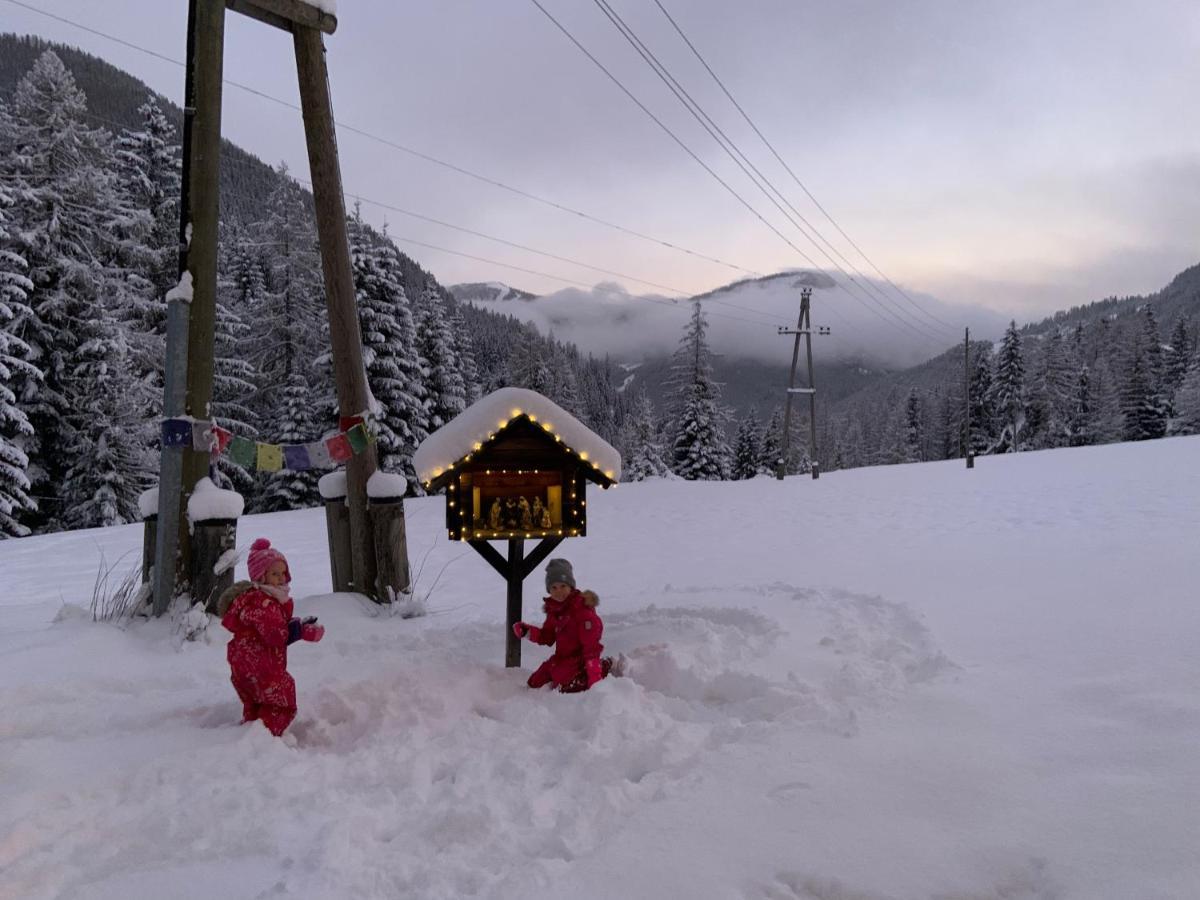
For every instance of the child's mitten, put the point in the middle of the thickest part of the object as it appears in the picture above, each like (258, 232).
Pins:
(294, 630)
(523, 629)
(312, 632)
(592, 670)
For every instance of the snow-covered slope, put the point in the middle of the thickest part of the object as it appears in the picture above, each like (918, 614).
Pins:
(889, 684)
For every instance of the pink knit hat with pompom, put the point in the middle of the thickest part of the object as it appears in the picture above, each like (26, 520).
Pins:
(262, 554)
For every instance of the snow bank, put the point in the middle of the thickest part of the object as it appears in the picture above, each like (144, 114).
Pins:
(208, 502)
(887, 684)
(482, 418)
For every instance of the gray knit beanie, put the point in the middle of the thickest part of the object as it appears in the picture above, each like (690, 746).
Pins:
(559, 571)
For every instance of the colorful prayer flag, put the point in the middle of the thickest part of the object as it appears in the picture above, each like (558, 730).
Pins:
(223, 436)
(357, 436)
(203, 439)
(243, 452)
(295, 458)
(176, 433)
(318, 455)
(270, 457)
(339, 448)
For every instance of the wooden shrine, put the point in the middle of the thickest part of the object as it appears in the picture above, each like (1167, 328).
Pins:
(515, 467)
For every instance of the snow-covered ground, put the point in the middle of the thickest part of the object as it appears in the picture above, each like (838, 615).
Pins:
(906, 683)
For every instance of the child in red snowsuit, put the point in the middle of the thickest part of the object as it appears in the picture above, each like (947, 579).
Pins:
(260, 617)
(573, 628)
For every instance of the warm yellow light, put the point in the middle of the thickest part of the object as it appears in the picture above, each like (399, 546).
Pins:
(516, 412)
(479, 446)
(547, 426)
(583, 456)
(502, 423)
(436, 473)
(608, 474)
(532, 417)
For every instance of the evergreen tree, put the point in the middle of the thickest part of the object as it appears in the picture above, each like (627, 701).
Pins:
(770, 445)
(447, 394)
(291, 306)
(1177, 357)
(18, 379)
(1008, 391)
(1081, 425)
(699, 449)
(1052, 395)
(390, 353)
(527, 365)
(983, 416)
(294, 422)
(913, 435)
(65, 227)
(1187, 401)
(1144, 417)
(643, 456)
(747, 447)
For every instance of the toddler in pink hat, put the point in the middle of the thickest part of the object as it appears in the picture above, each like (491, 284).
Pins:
(259, 613)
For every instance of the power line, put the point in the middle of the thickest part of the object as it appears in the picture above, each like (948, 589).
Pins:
(788, 168)
(254, 91)
(694, 156)
(757, 178)
(404, 149)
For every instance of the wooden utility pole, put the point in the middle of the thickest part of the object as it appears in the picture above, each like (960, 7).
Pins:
(188, 373)
(803, 327)
(967, 395)
(191, 317)
(344, 335)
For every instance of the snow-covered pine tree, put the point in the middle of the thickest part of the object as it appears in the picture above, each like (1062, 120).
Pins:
(1106, 403)
(983, 414)
(294, 422)
(1008, 392)
(233, 376)
(527, 365)
(1177, 357)
(149, 167)
(291, 307)
(770, 445)
(1187, 401)
(446, 392)
(643, 454)
(105, 439)
(464, 351)
(390, 353)
(1081, 423)
(913, 435)
(66, 228)
(18, 377)
(1052, 395)
(699, 449)
(1143, 415)
(747, 446)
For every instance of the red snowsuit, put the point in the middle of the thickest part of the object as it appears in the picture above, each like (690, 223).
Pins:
(573, 628)
(257, 655)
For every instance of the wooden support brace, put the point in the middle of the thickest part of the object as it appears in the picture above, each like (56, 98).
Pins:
(285, 14)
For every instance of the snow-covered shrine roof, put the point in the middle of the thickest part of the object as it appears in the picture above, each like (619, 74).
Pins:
(481, 421)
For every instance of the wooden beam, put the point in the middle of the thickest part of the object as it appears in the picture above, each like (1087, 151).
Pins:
(349, 373)
(286, 14)
(492, 555)
(540, 552)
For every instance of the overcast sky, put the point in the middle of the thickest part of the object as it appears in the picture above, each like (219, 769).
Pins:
(1022, 156)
